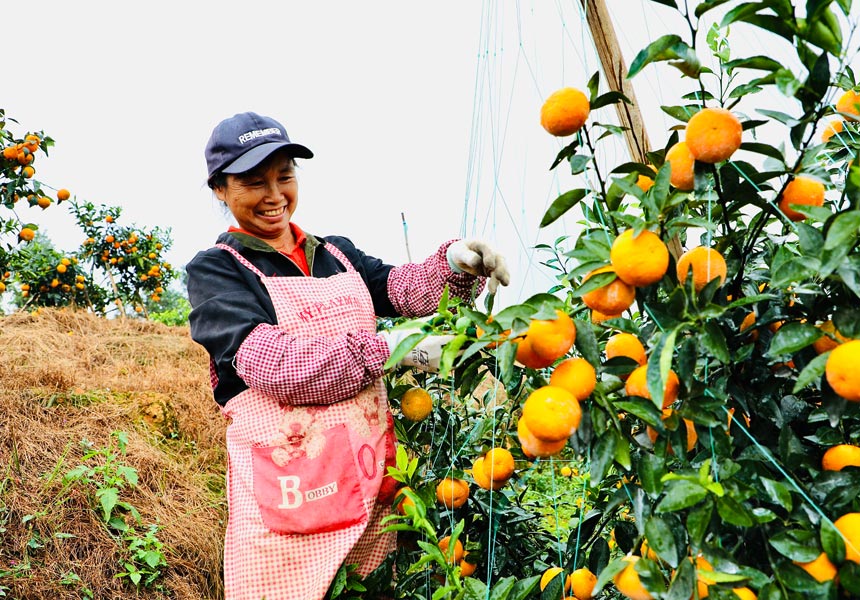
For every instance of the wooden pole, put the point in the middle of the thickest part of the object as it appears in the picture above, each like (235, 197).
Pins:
(615, 72)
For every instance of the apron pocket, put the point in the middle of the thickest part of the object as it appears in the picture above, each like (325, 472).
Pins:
(309, 494)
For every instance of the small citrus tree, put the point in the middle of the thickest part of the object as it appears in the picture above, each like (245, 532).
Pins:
(714, 293)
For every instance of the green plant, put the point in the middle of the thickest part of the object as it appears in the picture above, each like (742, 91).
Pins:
(144, 558)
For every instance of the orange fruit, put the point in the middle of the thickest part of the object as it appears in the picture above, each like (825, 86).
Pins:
(801, 190)
(703, 581)
(533, 446)
(498, 465)
(467, 568)
(747, 322)
(821, 568)
(482, 479)
(842, 372)
(745, 593)
(627, 581)
(416, 404)
(647, 552)
(451, 492)
(28, 172)
(61, 268)
(849, 103)
(576, 375)
(833, 127)
(626, 344)
(706, 264)
(637, 385)
(564, 112)
(599, 317)
(566, 471)
(551, 413)
(640, 260)
(644, 182)
(682, 163)
(458, 548)
(546, 340)
(692, 436)
(840, 456)
(404, 500)
(26, 234)
(582, 584)
(849, 526)
(611, 299)
(504, 335)
(713, 135)
(31, 142)
(10, 153)
(44, 202)
(826, 343)
(63, 195)
(551, 574)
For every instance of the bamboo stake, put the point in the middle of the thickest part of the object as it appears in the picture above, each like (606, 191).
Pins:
(615, 72)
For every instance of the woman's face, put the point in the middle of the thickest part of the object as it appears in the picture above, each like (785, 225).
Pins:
(263, 199)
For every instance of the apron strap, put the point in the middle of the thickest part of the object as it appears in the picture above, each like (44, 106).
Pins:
(333, 250)
(240, 258)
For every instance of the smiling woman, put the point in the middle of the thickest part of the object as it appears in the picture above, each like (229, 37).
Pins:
(289, 321)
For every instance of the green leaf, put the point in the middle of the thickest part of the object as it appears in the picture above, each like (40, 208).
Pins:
(502, 589)
(403, 348)
(832, 542)
(762, 63)
(579, 163)
(108, 498)
(449, 353)
(475, 589)
(668, 47)
(698, 521)
(602, 456)
(659, 365)
(793, 337)
(794, 270)
(523, 588)
(734, 512)
(843, 230)
(562, 204)
(778, 492)
(614, 567)
(764, 149)
(813, 371)
(661, 538)
(714, 341)
(681, 494)
(586, 342)
(612, 97)
(795, 545)
(651, 471)
(682, 113)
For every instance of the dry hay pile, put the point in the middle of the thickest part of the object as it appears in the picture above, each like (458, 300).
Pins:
(66, 377)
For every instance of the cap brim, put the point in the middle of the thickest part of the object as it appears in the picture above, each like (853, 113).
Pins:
(258, 154)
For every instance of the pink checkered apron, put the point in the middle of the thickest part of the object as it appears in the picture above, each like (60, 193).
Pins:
(303, 481)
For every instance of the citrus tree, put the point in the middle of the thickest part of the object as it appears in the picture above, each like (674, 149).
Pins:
(699, 353)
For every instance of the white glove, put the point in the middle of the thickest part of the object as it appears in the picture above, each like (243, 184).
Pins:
(426, 355)
(476, 257)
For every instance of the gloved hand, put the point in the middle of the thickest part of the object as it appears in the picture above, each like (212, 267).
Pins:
(476, 257)
(426, 355)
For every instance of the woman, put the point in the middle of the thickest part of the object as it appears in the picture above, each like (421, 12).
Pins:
(289, 321)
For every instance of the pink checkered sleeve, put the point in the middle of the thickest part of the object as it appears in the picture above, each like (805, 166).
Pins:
(415, 288)
(309, 370)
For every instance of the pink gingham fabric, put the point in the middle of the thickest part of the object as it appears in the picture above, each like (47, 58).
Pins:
(415, 288)
(258, 562)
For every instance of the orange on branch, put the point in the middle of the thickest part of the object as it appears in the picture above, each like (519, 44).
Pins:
(452, 492)
(842, 370)
(551, 413)
(416, 404)
(826, 343)
(498, 465)
(713, 135)
(482, 479)
(706, 264)
(640, 260)
(801, 190)
(821, 568)
(26, 234)
(582, 584)
(849, 526)
(682, 163)
(849, 103)
(637, 385)
(404, 500)
(833, 127)
(611, 299)
(458, 549)
(576, 375)
(598, 317)
(628, 583)
(533, 446)
(63, 195)
(564, 112)
(546, 340)
(551, 574)
(626, 344)
(840, 456)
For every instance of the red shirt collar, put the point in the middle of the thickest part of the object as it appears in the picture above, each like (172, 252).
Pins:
(298, 234)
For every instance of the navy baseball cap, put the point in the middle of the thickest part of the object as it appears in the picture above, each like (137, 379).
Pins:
(243, 141)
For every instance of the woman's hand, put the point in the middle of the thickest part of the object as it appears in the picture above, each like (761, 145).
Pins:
(476, 257)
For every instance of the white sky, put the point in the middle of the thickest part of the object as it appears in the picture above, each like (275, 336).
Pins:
(430, 109)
